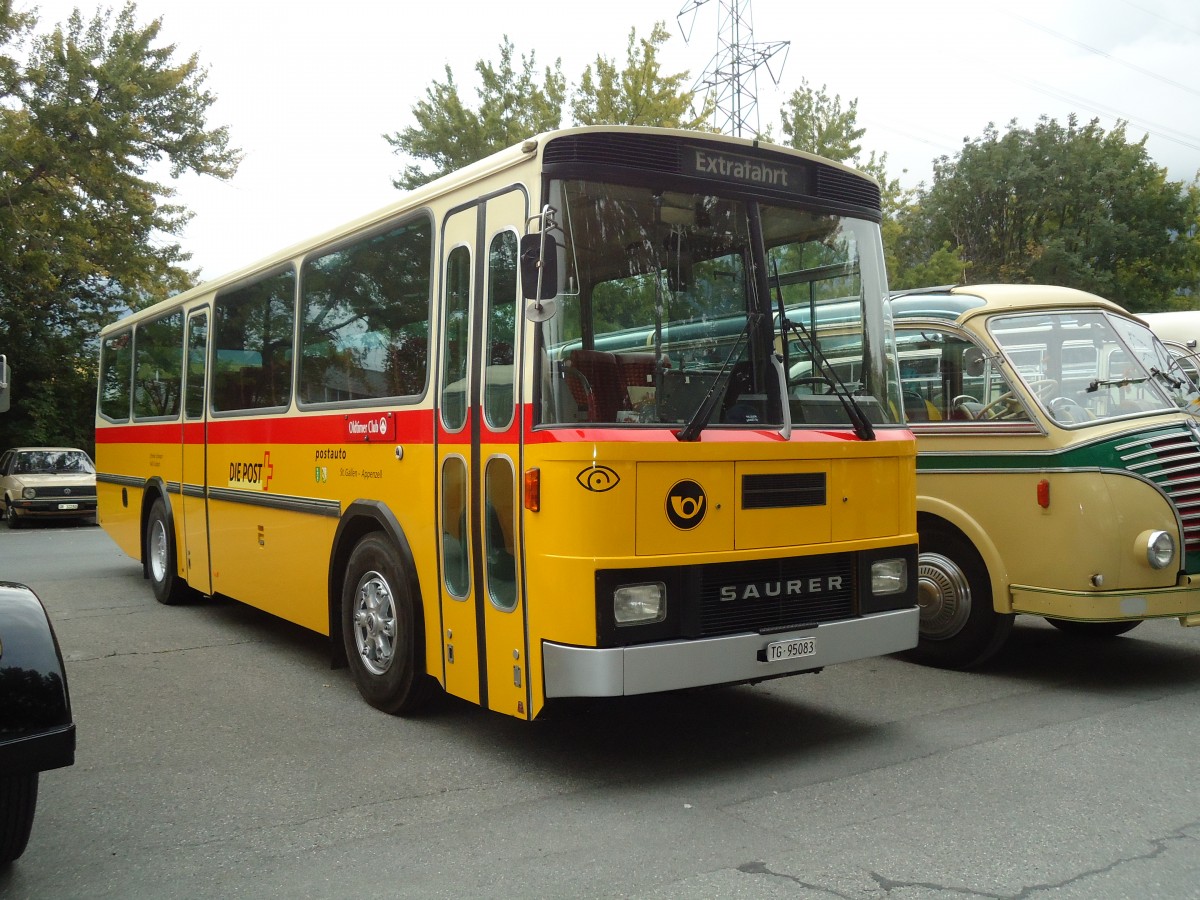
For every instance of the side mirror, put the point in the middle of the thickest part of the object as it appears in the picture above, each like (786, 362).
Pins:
(973, 361)
(539, 267)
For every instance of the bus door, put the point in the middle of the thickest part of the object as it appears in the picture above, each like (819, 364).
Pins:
(478, 457)
(194, 480)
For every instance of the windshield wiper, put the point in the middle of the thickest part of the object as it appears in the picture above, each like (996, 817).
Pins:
(1114, 382)
(862, 425)
(691, 431)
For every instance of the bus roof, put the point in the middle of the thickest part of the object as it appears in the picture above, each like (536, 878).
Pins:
(419, 198)
(963, 302)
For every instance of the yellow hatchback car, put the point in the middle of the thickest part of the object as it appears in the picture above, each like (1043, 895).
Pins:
(47, 483)
(1058, 466)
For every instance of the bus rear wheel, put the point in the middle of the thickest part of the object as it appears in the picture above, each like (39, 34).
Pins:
(380, 629)
(960, 629)
(1093, 629)
(161, 567)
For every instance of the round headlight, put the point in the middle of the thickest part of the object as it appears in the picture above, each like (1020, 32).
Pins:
(1160, 549)
(28, 493)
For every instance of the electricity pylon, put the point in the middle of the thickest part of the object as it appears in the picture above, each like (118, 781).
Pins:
(731, 78)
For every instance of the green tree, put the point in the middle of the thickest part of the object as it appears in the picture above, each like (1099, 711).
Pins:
(449, 135)
(815, 122)
(85, 230)
(513, 105)
(639, 94)
(1065, 204)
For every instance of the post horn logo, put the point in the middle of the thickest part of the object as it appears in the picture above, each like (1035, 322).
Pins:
(686, 505)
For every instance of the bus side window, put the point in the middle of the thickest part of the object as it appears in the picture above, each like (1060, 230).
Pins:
(499, 529)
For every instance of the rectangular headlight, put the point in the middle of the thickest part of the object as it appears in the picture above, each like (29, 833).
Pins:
(889, 576)
(637, 604)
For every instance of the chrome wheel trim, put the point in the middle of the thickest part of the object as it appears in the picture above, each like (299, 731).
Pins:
(944, 596)
(158, 551)
(374, 623)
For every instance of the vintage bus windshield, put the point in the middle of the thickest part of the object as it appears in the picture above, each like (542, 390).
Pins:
(664, 303)
(1088, 366)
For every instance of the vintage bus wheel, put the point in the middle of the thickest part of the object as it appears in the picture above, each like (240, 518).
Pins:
(380, 629)
(18, 800)
(169, 588)
(1093, 629)
(959, 626)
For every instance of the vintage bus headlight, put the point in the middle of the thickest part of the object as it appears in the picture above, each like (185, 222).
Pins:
(28, 493)
(888, 576)
(637, 604)
(1160, 549)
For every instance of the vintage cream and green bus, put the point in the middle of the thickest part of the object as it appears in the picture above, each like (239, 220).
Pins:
(1058, 468)
(524, 434)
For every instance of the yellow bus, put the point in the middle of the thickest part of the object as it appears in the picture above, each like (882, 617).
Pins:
(1058, 466)
(528, 433)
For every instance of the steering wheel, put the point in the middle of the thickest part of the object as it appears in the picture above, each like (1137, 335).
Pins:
(813, 381)
(1006, 406)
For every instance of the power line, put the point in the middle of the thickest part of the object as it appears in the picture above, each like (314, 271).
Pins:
(1098, 52)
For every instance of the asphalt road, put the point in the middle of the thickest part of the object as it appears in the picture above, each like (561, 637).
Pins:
(219, 756)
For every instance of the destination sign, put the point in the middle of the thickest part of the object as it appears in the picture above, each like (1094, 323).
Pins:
(794, 179)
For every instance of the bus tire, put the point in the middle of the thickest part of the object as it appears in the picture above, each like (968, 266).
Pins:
(1093, 629)
(380, 629)
(161, 567)
(960, 628)
(18, 800)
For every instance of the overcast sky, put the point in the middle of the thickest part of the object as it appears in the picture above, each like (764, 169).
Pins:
(307, 89)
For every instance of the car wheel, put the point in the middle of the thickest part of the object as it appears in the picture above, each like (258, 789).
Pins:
(11, 519)
(959, 629)
(380, 629)
(169, 588)
(1093, 629)
(18, 799)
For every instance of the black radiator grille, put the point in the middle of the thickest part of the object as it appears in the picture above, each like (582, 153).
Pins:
(783, 490)
(777, 593)
(57, 491)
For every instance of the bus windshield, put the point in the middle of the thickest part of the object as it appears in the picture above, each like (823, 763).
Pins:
(667, 317)
(1086, 366)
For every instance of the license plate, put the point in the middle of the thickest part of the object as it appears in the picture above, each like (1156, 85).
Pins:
(68, 506)
(794, 649)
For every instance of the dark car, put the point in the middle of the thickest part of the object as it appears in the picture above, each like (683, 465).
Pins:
(47, 482)
(36, 729)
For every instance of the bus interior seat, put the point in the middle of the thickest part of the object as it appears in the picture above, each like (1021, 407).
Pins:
(600, 388)
(915, 408)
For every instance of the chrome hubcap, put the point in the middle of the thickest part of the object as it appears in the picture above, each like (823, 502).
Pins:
(375, 623)
(158, 551)
(944, 595)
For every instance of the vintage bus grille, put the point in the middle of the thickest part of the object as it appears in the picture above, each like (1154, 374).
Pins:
(835, 184)
(1171, 459)
(775, 594)
(783, 491)
(637, 151)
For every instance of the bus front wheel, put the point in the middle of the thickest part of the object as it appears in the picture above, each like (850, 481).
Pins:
(960, 629)
(169, 588)
(379, 629)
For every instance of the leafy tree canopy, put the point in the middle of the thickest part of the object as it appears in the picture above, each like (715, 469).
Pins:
(89, 111)
(1061, 204)
(639, 94)
(513, 105)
